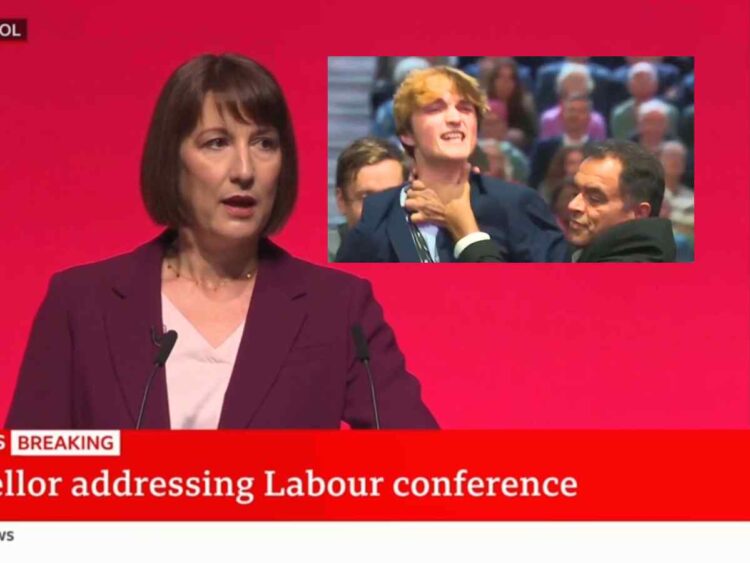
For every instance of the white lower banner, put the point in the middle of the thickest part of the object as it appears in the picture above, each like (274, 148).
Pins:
(355, 542)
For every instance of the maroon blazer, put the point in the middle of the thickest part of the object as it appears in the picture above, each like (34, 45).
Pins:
(91, 351)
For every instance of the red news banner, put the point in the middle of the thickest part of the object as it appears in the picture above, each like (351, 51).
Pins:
(448, 475)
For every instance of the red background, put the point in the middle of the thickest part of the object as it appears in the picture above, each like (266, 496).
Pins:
(514, 346)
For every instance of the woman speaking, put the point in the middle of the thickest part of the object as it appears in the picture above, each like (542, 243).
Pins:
(264, 340)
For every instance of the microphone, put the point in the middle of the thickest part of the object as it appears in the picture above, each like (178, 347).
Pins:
(362, 352)
(166, 344)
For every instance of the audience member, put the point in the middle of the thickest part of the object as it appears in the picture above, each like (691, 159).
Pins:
(678, 205)
(576, 114)
(366, 166)
(668, 78)
(653, 122)
(499, 78)
(573, 79)
(504, 160)
(546, 79)
(643, 84)
(474, 69)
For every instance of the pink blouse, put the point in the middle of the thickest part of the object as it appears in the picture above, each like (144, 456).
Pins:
(197, 373)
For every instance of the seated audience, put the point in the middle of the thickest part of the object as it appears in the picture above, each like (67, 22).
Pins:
(643, 84)
(474, 69)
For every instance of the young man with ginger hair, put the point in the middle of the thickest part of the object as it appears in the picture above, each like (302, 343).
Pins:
(438, 111)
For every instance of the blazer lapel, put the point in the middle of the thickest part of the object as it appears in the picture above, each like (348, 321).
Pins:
(487, 211)
(132, 320)
(399, 236)
(273, 321)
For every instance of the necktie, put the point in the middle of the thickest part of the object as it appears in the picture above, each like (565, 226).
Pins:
(422, 250)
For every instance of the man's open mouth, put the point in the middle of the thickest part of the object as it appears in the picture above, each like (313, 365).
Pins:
(453, 136)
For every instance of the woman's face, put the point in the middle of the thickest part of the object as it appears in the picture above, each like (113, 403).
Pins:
(229, 175)
(504, 83)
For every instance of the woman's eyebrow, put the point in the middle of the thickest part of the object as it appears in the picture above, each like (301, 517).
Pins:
(264, 129)
(222, 130)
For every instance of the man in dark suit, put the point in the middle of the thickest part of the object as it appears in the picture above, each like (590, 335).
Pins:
(615, 215)
(437, 111)
(366, 166)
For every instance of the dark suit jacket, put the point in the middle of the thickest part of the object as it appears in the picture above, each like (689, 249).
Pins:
(514, 216)
(638, 240)
(91, 351)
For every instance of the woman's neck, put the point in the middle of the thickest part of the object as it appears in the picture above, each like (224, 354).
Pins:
(211, 260)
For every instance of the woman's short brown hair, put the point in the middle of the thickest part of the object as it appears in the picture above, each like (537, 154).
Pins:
(242, 87)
